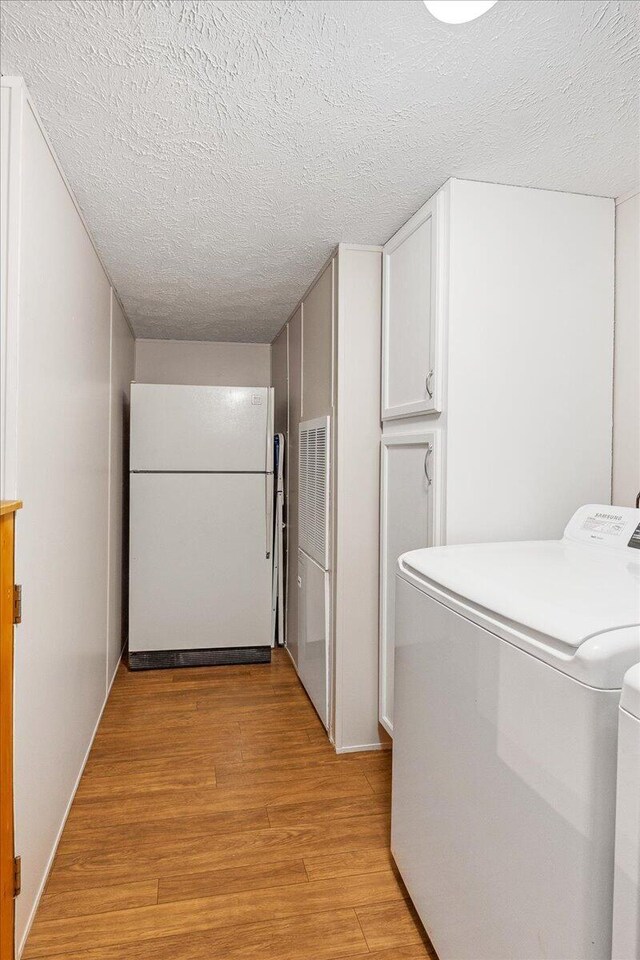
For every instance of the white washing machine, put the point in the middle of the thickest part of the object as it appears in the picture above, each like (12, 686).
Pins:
(626, 887)
(509, 665)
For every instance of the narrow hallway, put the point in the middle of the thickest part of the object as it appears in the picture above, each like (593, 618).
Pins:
(214, 820)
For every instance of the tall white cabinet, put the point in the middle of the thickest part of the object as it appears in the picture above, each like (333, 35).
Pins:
(333, 377)
(496, 373)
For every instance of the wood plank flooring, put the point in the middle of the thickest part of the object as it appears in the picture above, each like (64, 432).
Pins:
(214, 821)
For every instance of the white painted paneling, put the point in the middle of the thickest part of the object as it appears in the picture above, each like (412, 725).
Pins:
(341, 331)
(317, 347)
(11, 112)
(63, 464)
(199, 363)
(295, 404)
(5, 166)
(357, 497)
(626, 380)
(280, 382)
(74, 362)
(122, 368)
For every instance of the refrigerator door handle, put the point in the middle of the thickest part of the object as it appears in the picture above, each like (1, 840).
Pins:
(268, 512)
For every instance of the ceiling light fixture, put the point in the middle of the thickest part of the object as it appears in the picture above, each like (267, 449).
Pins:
(458, 11)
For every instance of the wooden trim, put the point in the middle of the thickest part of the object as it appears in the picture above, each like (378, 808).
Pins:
(7, 913)
(9, 506)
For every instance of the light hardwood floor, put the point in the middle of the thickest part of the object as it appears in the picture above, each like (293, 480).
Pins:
(214, 821)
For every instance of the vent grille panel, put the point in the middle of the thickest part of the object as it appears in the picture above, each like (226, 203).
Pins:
(314, 490)
(211, 657)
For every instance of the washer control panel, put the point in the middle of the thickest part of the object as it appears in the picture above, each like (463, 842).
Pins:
(602, 525)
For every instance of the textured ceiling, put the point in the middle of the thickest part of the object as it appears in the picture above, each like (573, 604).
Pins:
(220, 150)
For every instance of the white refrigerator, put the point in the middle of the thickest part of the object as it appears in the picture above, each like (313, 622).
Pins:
(201, 525)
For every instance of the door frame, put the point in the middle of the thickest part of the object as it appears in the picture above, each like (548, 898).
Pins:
(7, 841)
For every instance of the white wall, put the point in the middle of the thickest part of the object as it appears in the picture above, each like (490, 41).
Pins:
(122, 373)
(10, 135)
(74, 357)
(5, 108)
(200, 362)
(529, 360)
(626, 380)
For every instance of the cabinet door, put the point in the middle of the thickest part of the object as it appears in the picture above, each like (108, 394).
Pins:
(313, 585)
(410, 308)
(280, 381)
(317, 348)
(410, 481)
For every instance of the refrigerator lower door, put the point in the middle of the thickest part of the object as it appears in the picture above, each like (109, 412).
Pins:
(313, 583)
(199, 574)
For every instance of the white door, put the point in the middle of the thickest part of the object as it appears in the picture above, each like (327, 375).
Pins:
(409, 468)
(201, 428)
(313, 584)
(317, 347)
(411, 290)
(199, 573)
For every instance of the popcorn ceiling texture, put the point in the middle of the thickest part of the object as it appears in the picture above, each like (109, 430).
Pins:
(220, 150)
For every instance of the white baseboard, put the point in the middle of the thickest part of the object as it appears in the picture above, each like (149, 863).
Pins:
(364, 747)
(358, 748)
(288, 652)
(47, 871)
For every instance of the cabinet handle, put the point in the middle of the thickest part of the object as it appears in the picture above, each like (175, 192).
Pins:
(426, 463)
(427, 384)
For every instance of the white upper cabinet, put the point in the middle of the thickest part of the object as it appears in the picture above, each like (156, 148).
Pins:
(412, 290)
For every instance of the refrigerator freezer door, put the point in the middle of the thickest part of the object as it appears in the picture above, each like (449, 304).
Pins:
(183, 428)
(199, 575)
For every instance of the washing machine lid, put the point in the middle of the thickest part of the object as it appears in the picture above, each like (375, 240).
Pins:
(568, 590)
(630, 699)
